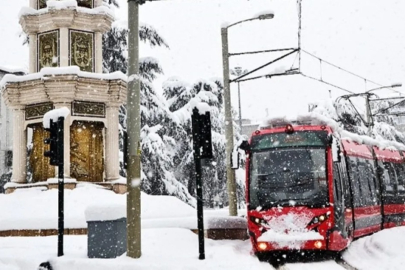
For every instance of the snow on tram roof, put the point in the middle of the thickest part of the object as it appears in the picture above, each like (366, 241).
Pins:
(316, 119)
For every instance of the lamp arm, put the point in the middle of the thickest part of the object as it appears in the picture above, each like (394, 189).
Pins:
(247, 20)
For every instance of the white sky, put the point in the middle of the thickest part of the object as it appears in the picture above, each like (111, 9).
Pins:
(364, 36)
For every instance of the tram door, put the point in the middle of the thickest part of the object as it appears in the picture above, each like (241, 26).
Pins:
(86, 151)
(41, 170)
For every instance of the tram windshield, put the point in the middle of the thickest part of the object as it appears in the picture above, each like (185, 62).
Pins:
(290, 175)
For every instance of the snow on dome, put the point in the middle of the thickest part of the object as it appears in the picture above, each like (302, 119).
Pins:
(52, 71)
(54, 115)
(65, 4)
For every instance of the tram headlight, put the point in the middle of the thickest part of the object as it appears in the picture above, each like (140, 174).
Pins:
(319, 219)
(262, 246)
(318, 244)
(258, 221)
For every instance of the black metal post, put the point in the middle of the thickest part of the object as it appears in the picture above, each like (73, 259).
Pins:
(61, 220)
(200, 203)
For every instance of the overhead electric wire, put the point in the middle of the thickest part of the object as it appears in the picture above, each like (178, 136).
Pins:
(340, 68)
(325, 82)
(263, 66)
(264, 51)
(269, 76)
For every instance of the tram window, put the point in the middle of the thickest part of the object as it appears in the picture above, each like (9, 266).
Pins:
(372, 182)
(366, 198)
(388, 178)
(337, 187)
(399, 169)
(345, 183)
(354, 180)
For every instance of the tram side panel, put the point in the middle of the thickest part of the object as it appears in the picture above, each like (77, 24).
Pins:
(363, 187)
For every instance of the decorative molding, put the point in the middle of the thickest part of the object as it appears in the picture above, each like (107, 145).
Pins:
(48, 49)
(37, 110)
(64, 89)
(81, 50)
(86, 108)
(66, 18)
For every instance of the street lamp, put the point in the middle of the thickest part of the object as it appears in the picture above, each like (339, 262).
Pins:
(237, 71)
(231, 185)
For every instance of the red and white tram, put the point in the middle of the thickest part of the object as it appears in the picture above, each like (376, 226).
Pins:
(308, 190)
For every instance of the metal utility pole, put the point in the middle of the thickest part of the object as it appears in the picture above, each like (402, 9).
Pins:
(134, 135)
(238, 71)
(240, 109)
(369, 117)
(230, 174)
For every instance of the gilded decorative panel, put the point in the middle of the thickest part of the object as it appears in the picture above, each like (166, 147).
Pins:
(37, 110)
(85, 108)
(41, 170)
(86, 151)
(48, 49)
(81, 50)
(80, 3)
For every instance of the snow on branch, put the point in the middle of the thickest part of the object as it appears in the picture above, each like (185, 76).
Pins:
(148, 34)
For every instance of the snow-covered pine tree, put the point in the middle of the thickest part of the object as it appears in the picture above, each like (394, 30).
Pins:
(344, 113)
(178, 94)
(157, 177)
(180, 97)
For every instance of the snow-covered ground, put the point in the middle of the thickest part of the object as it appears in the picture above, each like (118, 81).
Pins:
(167, 242)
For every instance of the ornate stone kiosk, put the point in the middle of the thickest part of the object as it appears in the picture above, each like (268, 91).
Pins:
(65, 43)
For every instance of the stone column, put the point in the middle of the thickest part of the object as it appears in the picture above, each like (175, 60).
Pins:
(33, 53)
(19, 146)
(33, 4)
(64, 47)
(112, 144)
(98, 3)
(66, 141)
(98, 38)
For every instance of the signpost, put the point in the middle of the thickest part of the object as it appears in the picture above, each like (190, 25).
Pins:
(201, 126)
(55, 154)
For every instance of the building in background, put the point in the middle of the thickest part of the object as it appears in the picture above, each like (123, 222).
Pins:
(248, 127)
(6, 139)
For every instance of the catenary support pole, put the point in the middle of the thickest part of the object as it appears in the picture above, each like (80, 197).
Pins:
(240, 109)
(230, 174)
(369, 117)
(134, 138)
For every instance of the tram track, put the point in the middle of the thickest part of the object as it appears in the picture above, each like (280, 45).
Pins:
(344, 264)
(339, 261)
